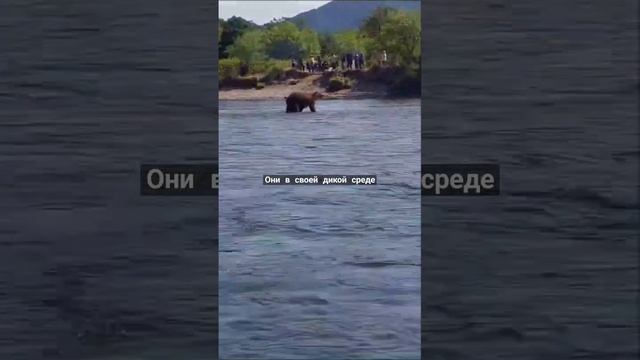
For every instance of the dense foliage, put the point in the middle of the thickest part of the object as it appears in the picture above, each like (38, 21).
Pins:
(245, 48)
(228, 32)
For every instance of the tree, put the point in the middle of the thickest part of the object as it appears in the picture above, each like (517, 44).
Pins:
(400, 37)
(231, 30)
(282, 40)
(372, 26)
(309, 43)
(349, 41)
(249, 47)
(328, 45)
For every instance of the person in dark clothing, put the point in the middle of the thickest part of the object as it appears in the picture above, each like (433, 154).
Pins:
(349, 61)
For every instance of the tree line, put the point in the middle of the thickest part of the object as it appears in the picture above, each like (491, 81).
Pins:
(254, 48)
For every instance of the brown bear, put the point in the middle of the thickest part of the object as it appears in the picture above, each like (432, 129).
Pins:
(297, 101)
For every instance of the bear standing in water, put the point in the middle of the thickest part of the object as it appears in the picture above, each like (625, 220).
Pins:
(297, 101)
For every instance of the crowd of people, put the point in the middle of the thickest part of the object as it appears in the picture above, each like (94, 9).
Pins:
(353, 61)
(315, 64)
(350, 61)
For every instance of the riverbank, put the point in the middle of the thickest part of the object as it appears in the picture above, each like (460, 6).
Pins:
(379, 83)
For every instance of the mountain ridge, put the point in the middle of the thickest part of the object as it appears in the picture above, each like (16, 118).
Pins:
(338, 16)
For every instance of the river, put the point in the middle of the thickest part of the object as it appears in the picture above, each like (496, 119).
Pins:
(322, 272)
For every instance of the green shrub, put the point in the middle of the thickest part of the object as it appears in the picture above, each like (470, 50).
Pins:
(270, 69)
(263, 66)
(229, 68)
(259, 67)
(337, 83)
(273, 73)
(234, 67)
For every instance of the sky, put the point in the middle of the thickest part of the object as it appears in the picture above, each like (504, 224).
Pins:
(262, 12)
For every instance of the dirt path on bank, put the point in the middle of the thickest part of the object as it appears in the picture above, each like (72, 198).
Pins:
(310, 83)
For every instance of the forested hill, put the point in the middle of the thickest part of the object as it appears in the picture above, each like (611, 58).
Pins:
(346, 15)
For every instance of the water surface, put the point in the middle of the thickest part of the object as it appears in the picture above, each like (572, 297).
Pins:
(319, 272)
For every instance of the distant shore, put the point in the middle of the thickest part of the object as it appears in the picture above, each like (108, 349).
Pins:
(362, 85)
